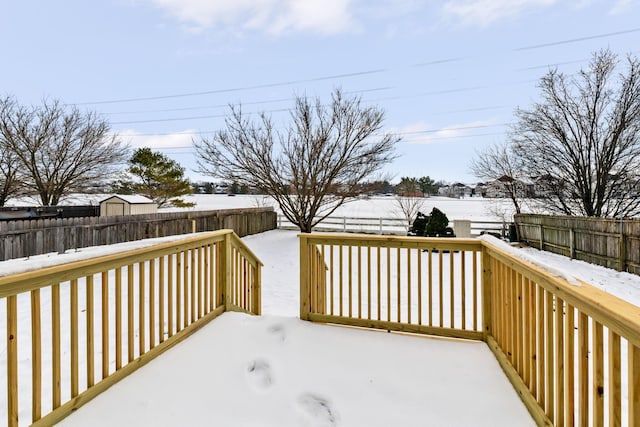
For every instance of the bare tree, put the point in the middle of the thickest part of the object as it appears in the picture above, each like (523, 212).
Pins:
(60, 149)
(499, 163)
(10, 183)
(409, 207)
(310, 168)
(583, 139)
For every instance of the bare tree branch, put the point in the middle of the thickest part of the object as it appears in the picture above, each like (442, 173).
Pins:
(10, 176)
(583, 139)
(409, 207)
(313, 166)
(499, 163)
(60, 149)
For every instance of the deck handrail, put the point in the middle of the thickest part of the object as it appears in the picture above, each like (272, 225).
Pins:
(138, 303)
(546, 333)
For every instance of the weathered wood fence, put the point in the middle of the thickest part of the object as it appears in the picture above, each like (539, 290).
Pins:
(610, 242)
(34, 237)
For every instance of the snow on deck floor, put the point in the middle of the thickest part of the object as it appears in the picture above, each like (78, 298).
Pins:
(243, 370)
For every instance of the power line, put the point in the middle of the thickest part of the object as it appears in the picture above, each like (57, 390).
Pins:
(280, 110)
(337, 76)
(470, 110)
(190, 150)
(537, 67)
(579, 39)
(438, 62)
(396, 133)
(209, 116)
(459, 136)
(208, 107)
(236, 89)
(388, 98)
(452, 129)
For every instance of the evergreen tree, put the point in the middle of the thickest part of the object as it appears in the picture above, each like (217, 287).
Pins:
(427, 185)
(408, 186)
(158, 177)
(437, 224)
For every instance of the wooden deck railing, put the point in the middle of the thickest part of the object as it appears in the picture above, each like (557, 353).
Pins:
(571, 351)
(107, 316)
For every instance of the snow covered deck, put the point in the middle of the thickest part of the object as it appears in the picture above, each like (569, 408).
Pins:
(261, 371)
(243, 370)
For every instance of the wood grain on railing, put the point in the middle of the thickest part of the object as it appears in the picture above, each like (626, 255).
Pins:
(571, 351)
(136, 303)
(571, 346)
(388, 283)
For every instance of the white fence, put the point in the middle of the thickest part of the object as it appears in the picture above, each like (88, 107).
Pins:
(389, 225)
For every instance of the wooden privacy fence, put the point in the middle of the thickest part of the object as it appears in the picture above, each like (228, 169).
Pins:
(20, 239)
(610, 242)
(571, 351)
(107, 316)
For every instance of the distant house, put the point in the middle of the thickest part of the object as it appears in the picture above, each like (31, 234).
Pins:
(120, 204)
(502, 187)
(457, 190)
(480, 189)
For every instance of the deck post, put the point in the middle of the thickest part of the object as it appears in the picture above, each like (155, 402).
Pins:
(256, 292)
(224, 272)
(304, 276)
(487, 278)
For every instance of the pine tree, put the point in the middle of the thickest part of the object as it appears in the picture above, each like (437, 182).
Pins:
(159, 178)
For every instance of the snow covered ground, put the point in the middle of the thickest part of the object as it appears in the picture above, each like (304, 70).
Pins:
(471, 208)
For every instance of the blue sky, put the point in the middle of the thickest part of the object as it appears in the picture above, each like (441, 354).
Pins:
(448, 73)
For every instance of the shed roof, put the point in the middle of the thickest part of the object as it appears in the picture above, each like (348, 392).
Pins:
(133, 199)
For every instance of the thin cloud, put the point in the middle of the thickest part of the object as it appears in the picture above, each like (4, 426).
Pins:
(269, 16)
(483, 13)
(422, 133)
(621, 6)
(159, 142)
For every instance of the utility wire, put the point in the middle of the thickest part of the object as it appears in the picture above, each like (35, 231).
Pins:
(190, 150)
(280, 110)
(204, 132)
(345, 75)
(210, 107)
(579, 39)
(537, 67)
(452, 128)
(360, 73)
(236, 89)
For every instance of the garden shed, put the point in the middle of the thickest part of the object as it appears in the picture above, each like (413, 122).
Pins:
(120, 204)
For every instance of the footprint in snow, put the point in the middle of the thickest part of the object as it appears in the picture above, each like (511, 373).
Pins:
(259, 374)
(317, 410)
(278, 331)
